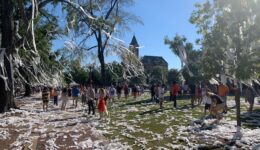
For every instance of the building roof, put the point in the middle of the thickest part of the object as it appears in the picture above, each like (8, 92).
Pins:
(154, 61)
(134, 42)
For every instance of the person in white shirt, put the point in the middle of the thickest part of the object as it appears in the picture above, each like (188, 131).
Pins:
(161, 95)
(112, 93)
(207, 101)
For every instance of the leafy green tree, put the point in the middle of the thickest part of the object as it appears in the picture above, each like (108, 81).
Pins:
(76, 72)
(157, 74)
(17, 31)
(230, 32)
(49, 64)
(20, 56)
(192, 68)
(173, 75)
(97, 24)
(114, 73)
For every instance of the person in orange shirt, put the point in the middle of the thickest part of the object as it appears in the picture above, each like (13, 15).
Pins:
(223, 92)
(175, 89)
(52, 93)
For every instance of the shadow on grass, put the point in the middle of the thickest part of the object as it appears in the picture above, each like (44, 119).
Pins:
(145, 101)
(251, 120)
(149, 100)
(187, 106)
(153, 111)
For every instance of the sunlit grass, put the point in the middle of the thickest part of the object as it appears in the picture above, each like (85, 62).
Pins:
(148, 121)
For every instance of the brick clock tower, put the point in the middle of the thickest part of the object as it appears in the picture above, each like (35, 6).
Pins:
(134, 47)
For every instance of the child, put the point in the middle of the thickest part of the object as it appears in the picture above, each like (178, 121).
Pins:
(45, 98)
(101, 103)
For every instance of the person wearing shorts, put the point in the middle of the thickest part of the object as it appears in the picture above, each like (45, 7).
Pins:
(217, 106)
(207, 101)
(223, 92)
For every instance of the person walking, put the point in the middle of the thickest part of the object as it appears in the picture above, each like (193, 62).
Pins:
(56, 95)
(134, 92)
(126, 91)
(152, 90)
(91, 98)
(52, 93)
(118, 91)
(223, 92)
(192, 94)
(101, 103)
(69, 92)
(45, 98)
(207, 101)
(75, 95)
(250, 95)
(217, 106)
(112, 93)
(161, 95)
(84, 94)
(64, 98)
(174, 91)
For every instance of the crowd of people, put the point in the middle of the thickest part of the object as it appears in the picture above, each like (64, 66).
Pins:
(214, 97)
(92, 97)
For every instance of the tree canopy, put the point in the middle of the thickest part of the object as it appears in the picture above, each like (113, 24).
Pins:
(230, 41)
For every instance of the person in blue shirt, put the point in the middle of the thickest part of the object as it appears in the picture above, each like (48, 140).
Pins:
(75, 95)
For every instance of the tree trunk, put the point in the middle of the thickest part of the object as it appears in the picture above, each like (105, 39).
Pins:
(103, 68)
(237, 99)
(7, 30)
(101, 58)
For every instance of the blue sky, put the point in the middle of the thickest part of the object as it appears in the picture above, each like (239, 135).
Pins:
(161, 18)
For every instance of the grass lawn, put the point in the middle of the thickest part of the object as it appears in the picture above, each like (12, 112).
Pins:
(140, 123)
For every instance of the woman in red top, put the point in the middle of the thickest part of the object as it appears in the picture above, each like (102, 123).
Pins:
(175, 89)
(101, 103)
